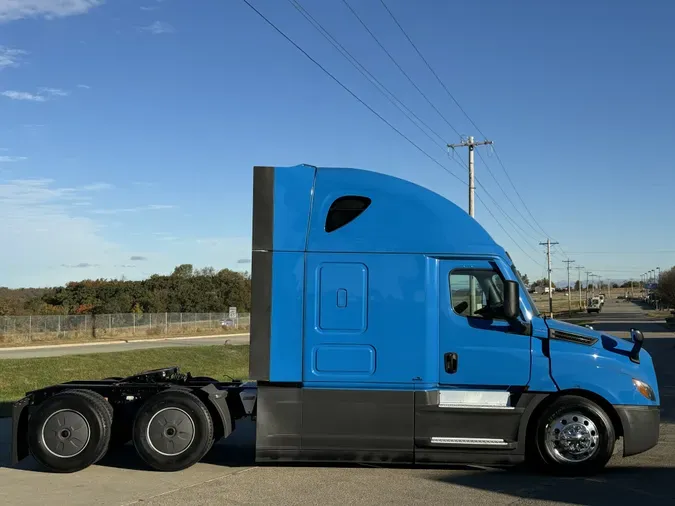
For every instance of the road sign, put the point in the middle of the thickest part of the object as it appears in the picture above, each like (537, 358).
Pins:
(233, 312)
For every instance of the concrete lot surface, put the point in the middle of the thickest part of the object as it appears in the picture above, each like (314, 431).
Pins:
(228, 475)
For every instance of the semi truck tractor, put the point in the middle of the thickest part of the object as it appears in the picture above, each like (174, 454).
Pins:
(387, 327)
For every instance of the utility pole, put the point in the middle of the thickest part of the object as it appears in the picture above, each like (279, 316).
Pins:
(569, 292)
(579, 268)
(471, 144)
(548, 257)
(588, 273)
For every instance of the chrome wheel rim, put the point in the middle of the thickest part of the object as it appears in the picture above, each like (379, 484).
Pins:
(170, 432)
(66, 433)
(572, 437)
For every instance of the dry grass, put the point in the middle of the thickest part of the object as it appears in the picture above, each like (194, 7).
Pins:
(125, 334)
(560, 302)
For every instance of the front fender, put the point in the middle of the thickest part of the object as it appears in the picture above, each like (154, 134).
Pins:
(575, 366)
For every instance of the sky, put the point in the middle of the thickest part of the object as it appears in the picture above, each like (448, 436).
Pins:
(129, 128)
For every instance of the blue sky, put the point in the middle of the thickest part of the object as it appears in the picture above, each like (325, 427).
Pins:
(128, 128)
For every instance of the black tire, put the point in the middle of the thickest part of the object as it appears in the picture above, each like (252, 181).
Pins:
(69, 432)
(172, 430)
(572, 414)
(98, 399)
(104, 407)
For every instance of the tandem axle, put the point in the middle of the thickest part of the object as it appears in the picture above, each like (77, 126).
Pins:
(172, 418)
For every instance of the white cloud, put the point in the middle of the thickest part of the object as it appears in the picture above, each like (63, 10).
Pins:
(42, 95)
(149, 7)
(23, 95)
(11, 10)
(55, 92)
(81, 265)
(10, 57)
(150, 207)
(158, 27)
(84, 86)
(29, 206)
(164, 236)
(9, 159)
(98, 186)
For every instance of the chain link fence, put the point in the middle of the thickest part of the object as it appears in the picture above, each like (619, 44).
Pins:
(26, 329)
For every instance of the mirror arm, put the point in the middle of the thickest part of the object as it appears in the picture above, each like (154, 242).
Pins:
(521, 327)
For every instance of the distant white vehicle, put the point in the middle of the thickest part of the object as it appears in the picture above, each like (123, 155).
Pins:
(594, 305)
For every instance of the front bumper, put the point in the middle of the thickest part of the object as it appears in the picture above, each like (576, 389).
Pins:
(640, 428)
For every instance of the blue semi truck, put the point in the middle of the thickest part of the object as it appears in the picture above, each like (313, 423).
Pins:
(387, 327)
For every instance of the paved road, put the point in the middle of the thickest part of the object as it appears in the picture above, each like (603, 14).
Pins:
(228, 475)
(58, 350)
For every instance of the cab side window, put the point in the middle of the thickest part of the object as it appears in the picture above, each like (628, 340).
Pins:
(477, 293)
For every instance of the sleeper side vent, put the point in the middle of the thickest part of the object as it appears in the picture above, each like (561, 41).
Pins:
(344, 210)
(572, 338)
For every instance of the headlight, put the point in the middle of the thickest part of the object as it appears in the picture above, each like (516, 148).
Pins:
(644, 389)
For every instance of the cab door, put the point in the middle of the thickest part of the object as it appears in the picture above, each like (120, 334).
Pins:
(478, 346)
(484, 366)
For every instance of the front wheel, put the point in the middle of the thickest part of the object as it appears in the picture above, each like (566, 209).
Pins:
(574, 436)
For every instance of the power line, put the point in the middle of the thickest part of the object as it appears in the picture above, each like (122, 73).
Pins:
(525, 220)
(348, 90)
(515, 224)
(453, 99)
(622, 252)
(363, 70)
(440, 81)
(430, 68)
(517, 192)
(343, 86)
(399, 67)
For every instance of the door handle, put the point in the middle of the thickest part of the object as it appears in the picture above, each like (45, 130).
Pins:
(450, 362)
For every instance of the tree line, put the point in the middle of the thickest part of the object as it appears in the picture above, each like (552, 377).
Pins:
(186, 289)
(666, 288)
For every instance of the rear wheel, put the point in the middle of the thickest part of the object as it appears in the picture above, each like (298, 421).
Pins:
(104, 407)
(172, 431)
(574, 436)
(69, 431)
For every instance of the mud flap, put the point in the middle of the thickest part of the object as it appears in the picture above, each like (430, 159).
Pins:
(19, 447)
(217, 401)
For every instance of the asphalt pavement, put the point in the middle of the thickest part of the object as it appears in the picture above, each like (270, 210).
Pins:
(108, 347)
(228, 475)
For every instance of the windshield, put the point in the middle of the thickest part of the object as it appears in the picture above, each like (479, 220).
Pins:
(524, 290)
